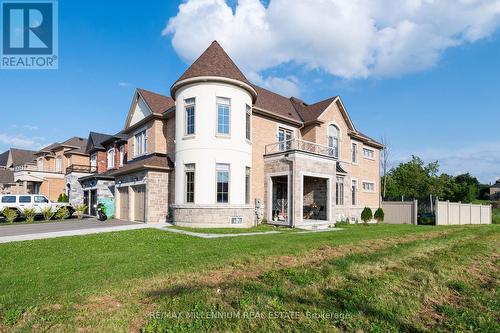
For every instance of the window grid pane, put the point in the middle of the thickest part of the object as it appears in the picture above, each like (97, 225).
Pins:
(190, 120)
(248, 121)
(222, 183)
(222, 119)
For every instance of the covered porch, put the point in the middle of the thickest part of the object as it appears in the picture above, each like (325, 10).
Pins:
(302, 185)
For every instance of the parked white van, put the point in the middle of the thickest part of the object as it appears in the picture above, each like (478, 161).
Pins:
(39, 202)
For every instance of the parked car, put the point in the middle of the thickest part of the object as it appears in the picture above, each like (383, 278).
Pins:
(39, 202)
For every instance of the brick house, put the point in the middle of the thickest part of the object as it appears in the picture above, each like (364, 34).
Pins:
(495, 191)
(11, 160)
(56, 169)
(222, 151)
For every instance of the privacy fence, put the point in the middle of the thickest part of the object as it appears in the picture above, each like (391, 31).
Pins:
(446, 213)
(400, 212)
(455, 213)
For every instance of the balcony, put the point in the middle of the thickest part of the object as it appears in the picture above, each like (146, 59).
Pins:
(301, 145)
(80, 168)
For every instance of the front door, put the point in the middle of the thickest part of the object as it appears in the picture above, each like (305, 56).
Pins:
(279, 212)
(93, 202)
(86, 201)
(139, 203)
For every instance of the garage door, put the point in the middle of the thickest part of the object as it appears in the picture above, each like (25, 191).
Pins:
(124, 208)
(139, 204)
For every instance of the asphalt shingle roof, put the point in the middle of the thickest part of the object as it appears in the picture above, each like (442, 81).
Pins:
(156, 102)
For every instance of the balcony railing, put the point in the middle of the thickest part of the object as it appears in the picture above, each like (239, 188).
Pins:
(301, 145)
(80, 168)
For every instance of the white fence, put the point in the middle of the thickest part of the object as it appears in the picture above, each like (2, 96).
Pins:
(451, 213)
(397, 212)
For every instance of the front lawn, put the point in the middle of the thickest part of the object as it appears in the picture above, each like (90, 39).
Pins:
(373, 278)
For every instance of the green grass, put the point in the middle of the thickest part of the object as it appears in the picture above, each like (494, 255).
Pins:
(378, 278)
(496, 215)
(259, 228)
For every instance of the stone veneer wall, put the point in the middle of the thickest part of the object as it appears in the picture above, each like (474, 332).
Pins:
(75, 192)
(156, 196)
(157, 192)
(212, 216)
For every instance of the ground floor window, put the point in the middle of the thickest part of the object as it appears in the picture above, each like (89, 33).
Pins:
(354, 189)
(190, 172)
(222, 174)
(247, 185)
(339, 191)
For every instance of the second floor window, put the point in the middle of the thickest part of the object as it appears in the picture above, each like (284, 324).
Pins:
(121, 155)
(189, 110)
(189, 169)
(333, 140)
(93, 161)
(369, 153)
(59, 165)
(41, 164)
(111, 158)
(354, 153)
(222, 174)
(285, 137)
(248, 122)
(140, 143)
(223, 115)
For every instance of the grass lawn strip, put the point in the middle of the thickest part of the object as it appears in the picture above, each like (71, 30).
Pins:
(110, 311)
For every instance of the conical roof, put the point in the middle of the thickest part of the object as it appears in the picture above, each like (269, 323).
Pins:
(214, 62)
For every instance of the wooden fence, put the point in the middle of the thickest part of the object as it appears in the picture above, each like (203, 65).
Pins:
(397, 212)
(456, 213)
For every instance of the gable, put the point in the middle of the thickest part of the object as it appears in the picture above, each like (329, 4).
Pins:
(334, 114)
(138, 112)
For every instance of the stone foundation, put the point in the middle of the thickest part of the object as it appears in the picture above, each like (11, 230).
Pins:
(212, 216)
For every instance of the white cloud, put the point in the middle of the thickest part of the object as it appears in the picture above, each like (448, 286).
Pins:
(22, 142)
(482, 160)
(26, 127)
(349, 39)
(124, 84)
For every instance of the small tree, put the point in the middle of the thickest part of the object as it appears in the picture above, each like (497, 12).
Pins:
(29, 214)
(63, 197)
(62, 213)
(47, 213)
(10, 214)
(366, 214)
(379, 215)
(80, 211)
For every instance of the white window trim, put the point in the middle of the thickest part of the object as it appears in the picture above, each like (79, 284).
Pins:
(339, 148)
(357, 152)
(111, 162)
(217, 134)
(228, 184)
(121, 154)
(186, 170)
(368, 182)
(357, 190)
(139, 131)
(186, 105)
(41, 164)
(250, 113)
(367, 157)
(59, 164)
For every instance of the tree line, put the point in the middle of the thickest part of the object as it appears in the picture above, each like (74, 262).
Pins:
(417, 180)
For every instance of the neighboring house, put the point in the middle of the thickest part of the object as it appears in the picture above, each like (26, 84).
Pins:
(56, 170)
(224, 152)
(495, 191)
(9, 162)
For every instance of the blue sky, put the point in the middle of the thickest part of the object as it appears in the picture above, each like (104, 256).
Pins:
(441, 103)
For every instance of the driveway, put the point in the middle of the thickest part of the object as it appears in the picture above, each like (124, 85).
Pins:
(20, 232)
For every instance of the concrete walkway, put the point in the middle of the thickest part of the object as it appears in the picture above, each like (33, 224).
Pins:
(23, 232)
(207, 235)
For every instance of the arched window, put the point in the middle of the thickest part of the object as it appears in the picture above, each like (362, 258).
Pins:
(333, 140)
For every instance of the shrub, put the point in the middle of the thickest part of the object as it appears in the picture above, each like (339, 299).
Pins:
(366, 214)
(10, 214)
(63, 197)
(62, 213)
(47, 213)
(379, 215)
(80, 211)
(29, 214)
(426, 220)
